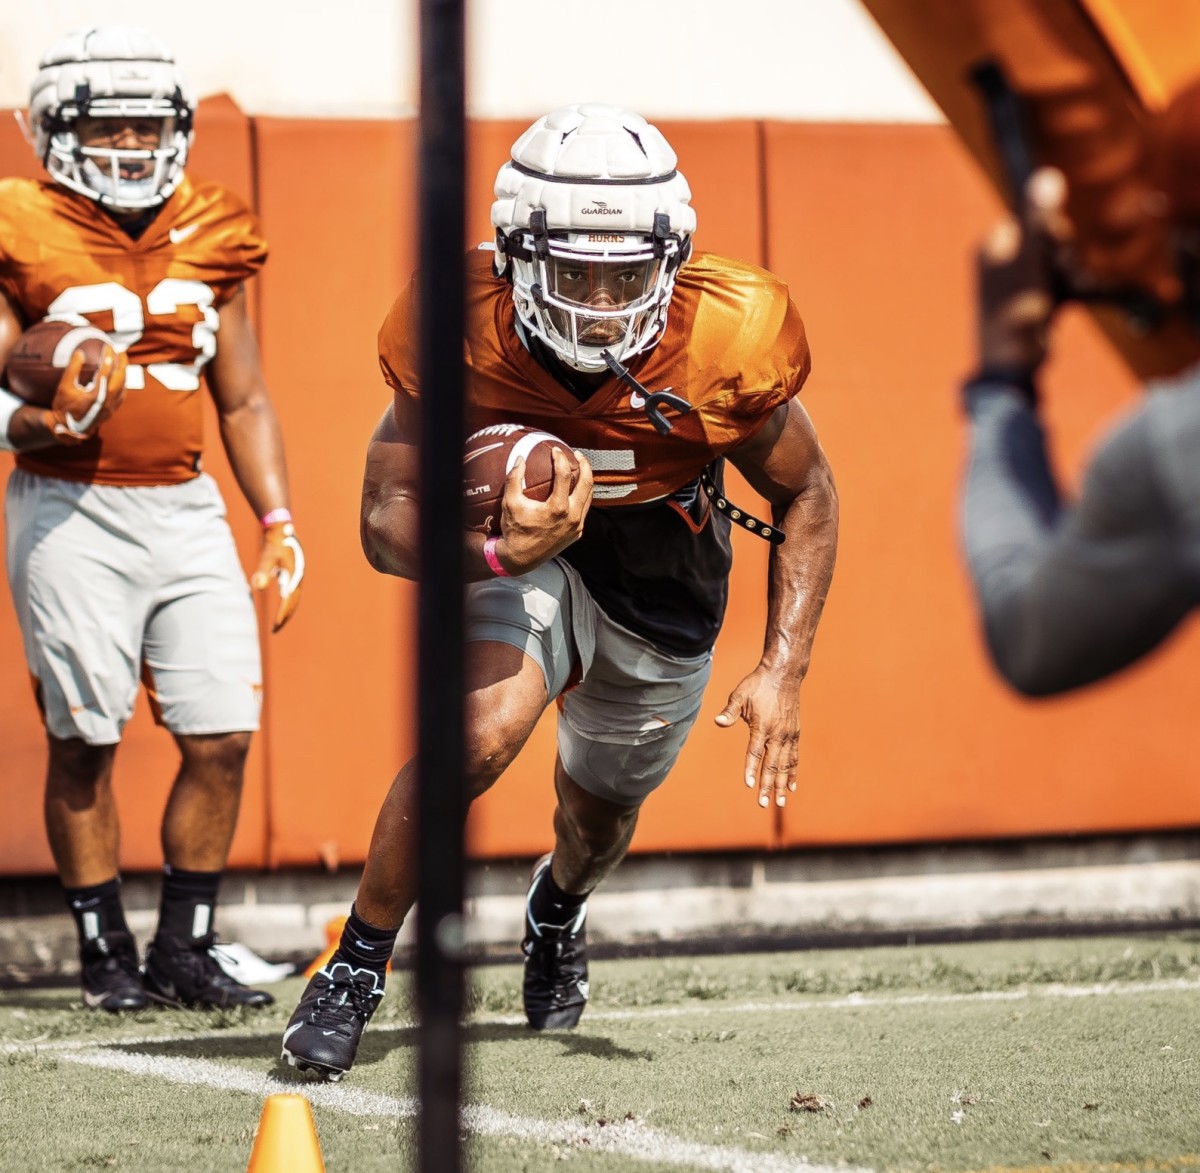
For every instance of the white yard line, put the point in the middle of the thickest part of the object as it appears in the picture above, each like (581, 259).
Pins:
(630, 1139)
(846, 1002)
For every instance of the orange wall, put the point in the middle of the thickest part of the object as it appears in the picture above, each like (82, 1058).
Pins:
(907, 734)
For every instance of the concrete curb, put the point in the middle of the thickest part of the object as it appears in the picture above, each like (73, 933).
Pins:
(974, 889)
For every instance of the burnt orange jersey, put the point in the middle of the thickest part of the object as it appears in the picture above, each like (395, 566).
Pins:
(157, 297)
(653, 556)
(733, 347)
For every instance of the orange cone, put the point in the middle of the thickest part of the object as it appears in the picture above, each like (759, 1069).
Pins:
(286, 1139)
(333, 934)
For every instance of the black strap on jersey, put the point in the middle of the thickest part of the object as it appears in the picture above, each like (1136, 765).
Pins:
(654, 401)
(746, 520)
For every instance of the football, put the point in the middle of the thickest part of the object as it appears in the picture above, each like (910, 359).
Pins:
(488, 457)
(37, 361)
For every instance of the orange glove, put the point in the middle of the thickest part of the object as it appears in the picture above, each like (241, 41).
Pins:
(283, 558)
(78, 408)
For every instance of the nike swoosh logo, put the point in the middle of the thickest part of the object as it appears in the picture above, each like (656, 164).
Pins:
(179, 235)
(291, 1030)
(480, 451)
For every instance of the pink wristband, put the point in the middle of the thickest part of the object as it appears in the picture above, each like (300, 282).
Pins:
(275, 517)
(489, 556)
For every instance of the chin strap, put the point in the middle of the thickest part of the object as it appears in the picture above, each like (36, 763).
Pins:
(653, 401)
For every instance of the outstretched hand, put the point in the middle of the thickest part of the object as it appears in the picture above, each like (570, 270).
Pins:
(772, 712)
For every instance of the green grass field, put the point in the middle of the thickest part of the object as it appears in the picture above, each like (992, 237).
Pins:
(1072, 1055)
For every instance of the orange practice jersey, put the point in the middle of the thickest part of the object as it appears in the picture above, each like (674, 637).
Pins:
(156, 297)
(652, 555)
(733, 347)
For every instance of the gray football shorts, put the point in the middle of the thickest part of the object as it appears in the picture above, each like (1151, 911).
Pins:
(113, 584)
(622, 727)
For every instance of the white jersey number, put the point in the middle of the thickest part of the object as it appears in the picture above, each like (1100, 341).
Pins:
(129, 323)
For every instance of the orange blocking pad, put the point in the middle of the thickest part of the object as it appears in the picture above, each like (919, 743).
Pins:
(147, 760)
(336, 203)
(908, 735)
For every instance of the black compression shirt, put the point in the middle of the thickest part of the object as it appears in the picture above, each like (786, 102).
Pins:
(645, 565)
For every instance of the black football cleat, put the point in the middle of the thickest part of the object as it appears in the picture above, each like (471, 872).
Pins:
(185, 973)
(322, 1035)
(109, 974)
(555, 988)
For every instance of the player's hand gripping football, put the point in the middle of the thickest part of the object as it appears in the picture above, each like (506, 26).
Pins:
(78, 409)
(282, 557)
(772, 711)
(533, 532)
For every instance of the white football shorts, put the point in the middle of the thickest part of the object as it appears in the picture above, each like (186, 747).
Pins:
(622, 727)
(113, 584)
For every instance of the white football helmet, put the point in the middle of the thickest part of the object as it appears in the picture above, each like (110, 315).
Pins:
(116, 72)
(592, 223)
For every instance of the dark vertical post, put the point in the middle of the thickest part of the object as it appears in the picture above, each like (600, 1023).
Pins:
(440, 640)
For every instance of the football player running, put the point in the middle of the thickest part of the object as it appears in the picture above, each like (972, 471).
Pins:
(592, 321)
(120, 560)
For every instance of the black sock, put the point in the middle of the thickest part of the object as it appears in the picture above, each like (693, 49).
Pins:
(550, 907)
(364, 945)
(97, 909)
(188, 902)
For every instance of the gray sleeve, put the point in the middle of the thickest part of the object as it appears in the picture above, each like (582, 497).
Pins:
(1068, 594)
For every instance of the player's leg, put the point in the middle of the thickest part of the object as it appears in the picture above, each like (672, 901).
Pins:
(82, 827)
(591, 834)
(73, 577)
(619, 734)
(202, 809)
(197, 831)
(591, 837)
(519, 655)
(506, 694)
(80, 811)
(203, 675)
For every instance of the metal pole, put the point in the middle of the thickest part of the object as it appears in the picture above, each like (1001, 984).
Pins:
(440, 642)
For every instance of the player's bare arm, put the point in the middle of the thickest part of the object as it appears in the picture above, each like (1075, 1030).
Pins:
(785, 464)
(388, 512)
(249, 426)
(533, 531)
(254, 444)
(79, 408)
